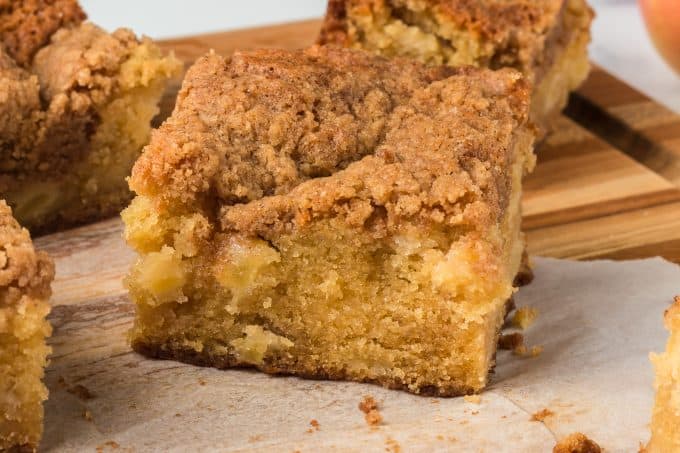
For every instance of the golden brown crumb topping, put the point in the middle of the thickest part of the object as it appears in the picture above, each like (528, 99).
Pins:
(26, 25)
(576, 443)
(72, 76)
(279, 138)
(23, 271)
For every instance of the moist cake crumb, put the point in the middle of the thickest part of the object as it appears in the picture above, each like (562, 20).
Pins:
(576, 443)
(523, 351)
(541, 415)
(473, 399)
(524, 317)
(369, 407)
(510, 341)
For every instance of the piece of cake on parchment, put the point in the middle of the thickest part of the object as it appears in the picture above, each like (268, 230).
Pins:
(25, 277)
(76, 105)
(666, 416)
(332, 214)
(547, 40)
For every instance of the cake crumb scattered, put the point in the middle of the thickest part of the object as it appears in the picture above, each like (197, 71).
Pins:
(474, 399)
(510, 341)
(315, 426)
(255, 438)
(370, 409)
(112, 444)
(392, 445)
(81, 392)
(523, 351)
(201, 381)
(541, 415)
(87, 415)
(576, 443)
(440, 437)
(524, 317)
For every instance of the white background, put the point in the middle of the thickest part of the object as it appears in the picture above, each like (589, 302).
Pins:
(620, 42)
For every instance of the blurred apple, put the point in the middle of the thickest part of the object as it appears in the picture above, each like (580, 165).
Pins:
(663, 23)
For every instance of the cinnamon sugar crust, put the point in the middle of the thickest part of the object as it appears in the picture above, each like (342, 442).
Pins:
(283, 138)
(27, 25)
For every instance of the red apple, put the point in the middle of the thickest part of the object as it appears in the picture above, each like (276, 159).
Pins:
(663, 23)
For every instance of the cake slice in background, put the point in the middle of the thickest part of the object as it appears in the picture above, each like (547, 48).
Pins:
(547, 40)
(666, 416)
(25, 277)
(77, 110)
(332, 214)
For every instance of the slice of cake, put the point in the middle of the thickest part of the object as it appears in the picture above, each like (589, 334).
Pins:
(332, 214)
(25, 277)
(74, 113)
(547, 40)
(666, 416)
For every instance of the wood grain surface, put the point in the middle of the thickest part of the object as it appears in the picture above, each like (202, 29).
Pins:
(606, 186)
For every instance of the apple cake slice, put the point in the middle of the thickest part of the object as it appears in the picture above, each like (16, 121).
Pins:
(76, 105)
(547, 40)
(25, 277)
(332, 214)
(666, 415)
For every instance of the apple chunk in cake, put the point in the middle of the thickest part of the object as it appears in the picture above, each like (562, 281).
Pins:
(666, 415)
(76, 105)
(25, 277)
(332, 214)
(547, 40)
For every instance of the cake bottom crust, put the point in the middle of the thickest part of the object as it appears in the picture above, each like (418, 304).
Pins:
(289, 368)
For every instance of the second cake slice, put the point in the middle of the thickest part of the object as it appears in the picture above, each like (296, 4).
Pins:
(332, 214)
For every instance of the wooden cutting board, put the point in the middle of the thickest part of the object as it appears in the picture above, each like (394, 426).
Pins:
(606, 186)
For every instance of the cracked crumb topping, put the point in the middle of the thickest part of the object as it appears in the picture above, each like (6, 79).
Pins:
(269, 139)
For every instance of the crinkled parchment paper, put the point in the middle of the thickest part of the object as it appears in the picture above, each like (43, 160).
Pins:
(598, 322)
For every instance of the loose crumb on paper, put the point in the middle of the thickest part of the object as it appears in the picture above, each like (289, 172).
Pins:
(524, 317)
(510, 341)
(111, 444)
(523, 351)
(315, 426)
(541, 415)
(576, 443)
(473, 399)
(87, 415)
(255, 438)
(392, 445)
(369, 407)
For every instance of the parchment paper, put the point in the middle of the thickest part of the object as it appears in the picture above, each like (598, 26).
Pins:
(598, 322)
